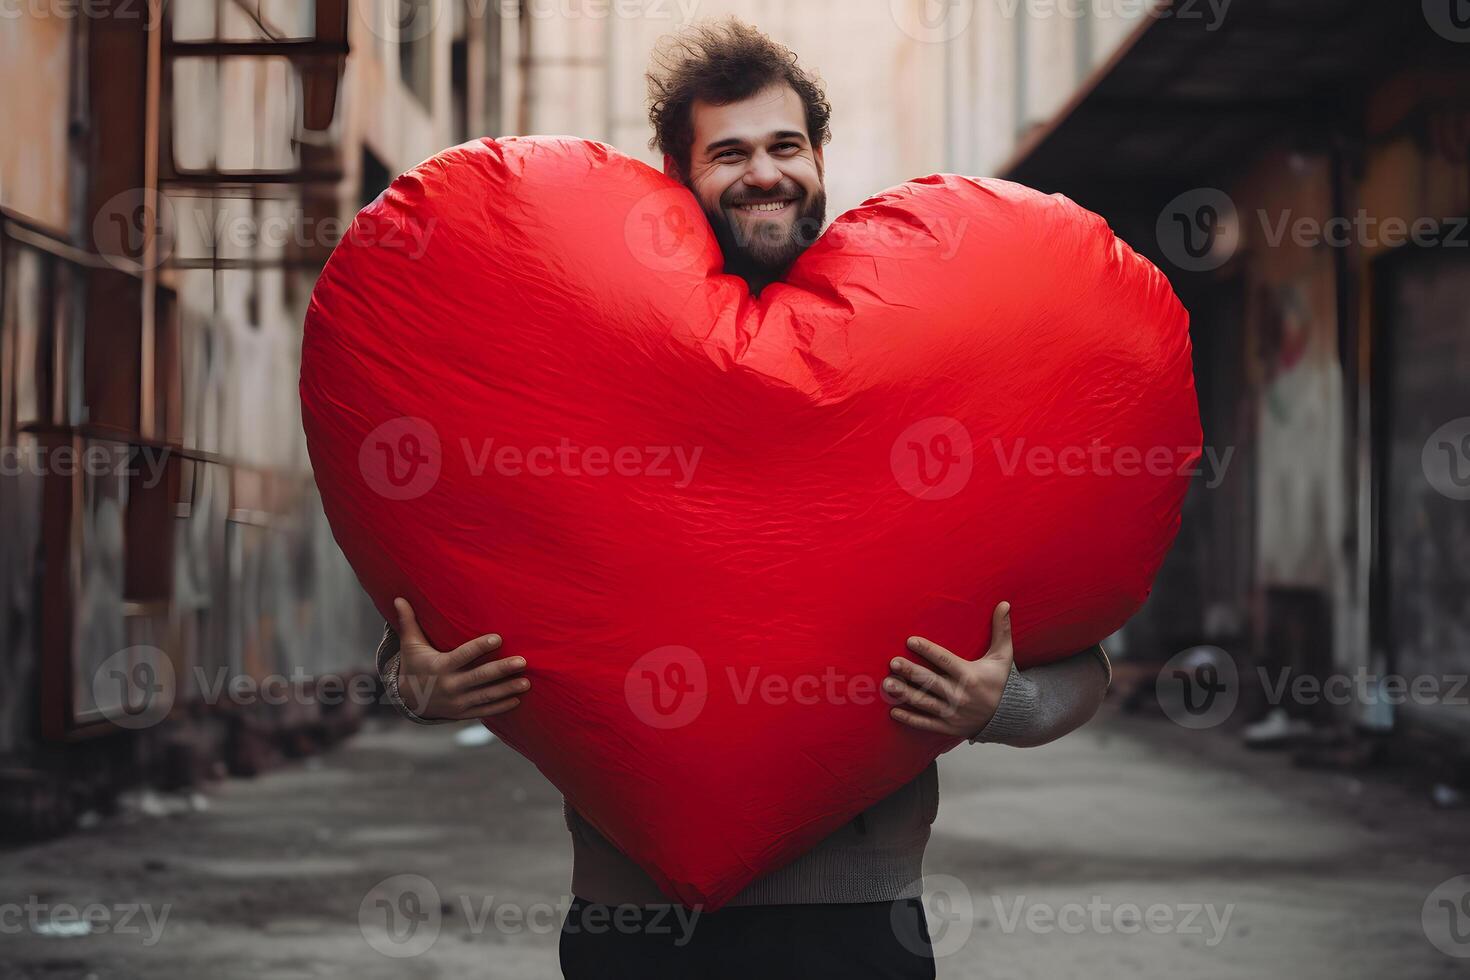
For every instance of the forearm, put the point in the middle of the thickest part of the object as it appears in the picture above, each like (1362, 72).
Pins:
(1044, 703)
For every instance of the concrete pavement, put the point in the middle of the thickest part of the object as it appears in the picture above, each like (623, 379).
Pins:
(1129, 849)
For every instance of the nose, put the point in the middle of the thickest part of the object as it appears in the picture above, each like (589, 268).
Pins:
(762, 172)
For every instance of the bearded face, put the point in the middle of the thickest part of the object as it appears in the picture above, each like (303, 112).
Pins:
(759, 181)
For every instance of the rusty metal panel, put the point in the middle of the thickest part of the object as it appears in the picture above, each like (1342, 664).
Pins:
(34, 154)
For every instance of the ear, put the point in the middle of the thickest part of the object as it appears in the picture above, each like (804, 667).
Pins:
(671, 169)
(821, 162)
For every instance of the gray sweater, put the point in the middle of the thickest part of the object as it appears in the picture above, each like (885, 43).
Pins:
(878, 856)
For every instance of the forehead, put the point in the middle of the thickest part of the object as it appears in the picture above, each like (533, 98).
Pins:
(771, 110)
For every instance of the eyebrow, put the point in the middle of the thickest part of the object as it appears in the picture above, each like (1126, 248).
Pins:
(784, 134)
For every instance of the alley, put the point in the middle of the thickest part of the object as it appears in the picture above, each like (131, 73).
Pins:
(1130, 849)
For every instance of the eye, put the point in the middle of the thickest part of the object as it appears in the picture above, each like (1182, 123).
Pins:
(728, 155)
(786, 147)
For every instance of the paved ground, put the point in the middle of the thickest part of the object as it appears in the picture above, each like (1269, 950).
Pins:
(1130, 849)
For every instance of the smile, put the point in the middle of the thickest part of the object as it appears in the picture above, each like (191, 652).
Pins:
(767, 207)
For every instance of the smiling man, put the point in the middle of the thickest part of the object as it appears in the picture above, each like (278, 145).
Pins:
(742, 126)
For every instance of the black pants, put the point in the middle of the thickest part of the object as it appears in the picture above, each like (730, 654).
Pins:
(888, 940)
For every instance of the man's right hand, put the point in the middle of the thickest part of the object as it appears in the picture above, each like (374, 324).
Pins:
(439, 685)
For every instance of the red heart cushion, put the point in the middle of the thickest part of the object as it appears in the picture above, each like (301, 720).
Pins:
(535, 406)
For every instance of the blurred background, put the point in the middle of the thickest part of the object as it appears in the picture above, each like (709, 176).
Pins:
(174, 174)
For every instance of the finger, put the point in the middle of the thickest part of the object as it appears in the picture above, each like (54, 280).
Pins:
(1001, 646)
(408, 624)
(494, 692)
(924, 723)
(495, 670)
(946, 663)
(922, 701)
(923, 678)
(489, 710)
(470, 651)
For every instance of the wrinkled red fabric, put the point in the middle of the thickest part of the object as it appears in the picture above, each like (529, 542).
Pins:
(964, 392)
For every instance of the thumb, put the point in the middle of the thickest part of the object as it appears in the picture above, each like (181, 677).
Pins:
(1002, 650)
(408, 625)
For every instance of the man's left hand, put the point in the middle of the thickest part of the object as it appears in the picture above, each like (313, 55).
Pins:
(948, 694)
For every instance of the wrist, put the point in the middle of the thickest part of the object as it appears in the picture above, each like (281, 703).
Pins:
(1018, 704)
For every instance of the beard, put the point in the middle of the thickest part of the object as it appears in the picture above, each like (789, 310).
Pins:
(766, 249)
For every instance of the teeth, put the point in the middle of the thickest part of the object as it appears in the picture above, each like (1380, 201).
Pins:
(772, 206)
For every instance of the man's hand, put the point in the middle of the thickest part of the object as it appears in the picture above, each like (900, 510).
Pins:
(949, 694)
(437, 685)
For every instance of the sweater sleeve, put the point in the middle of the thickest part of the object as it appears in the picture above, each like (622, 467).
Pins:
(387, 660)
(1044, 703)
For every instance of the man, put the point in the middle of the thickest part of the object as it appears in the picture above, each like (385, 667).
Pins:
(743, 127)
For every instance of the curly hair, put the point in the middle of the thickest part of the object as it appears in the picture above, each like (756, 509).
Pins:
(720, 63)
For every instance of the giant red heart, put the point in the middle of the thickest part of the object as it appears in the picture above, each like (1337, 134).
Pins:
(535, 406)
